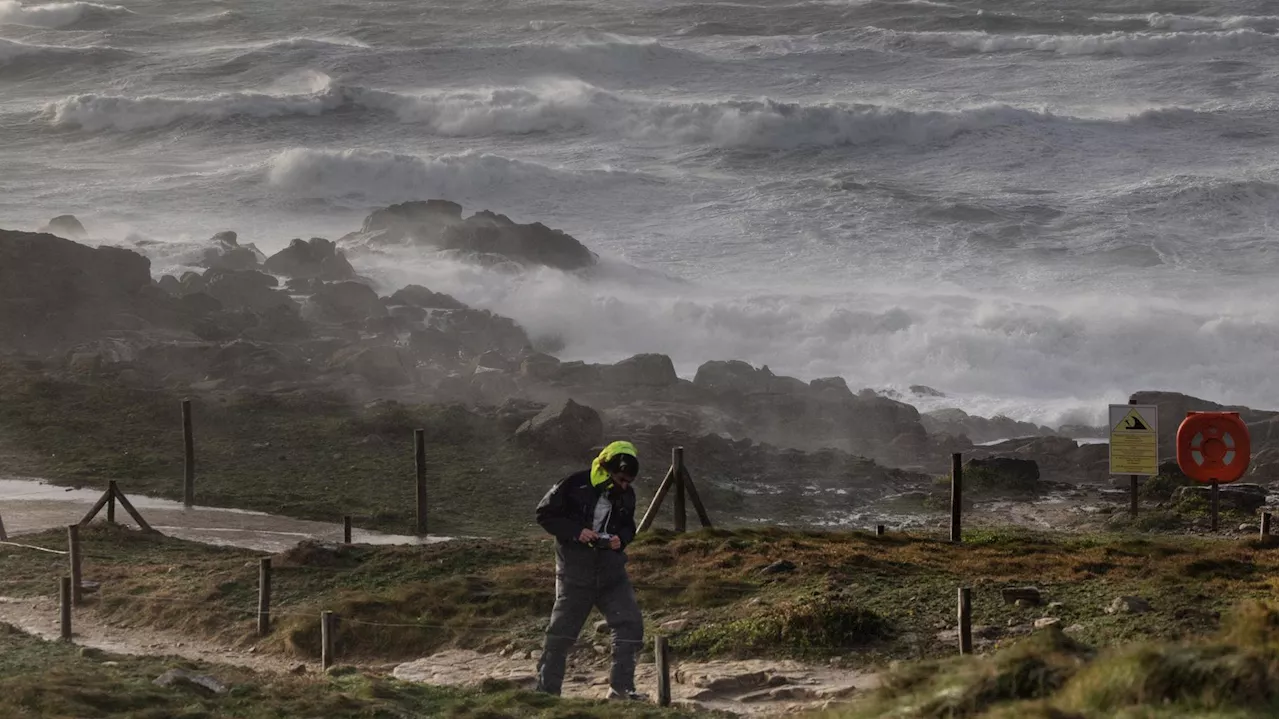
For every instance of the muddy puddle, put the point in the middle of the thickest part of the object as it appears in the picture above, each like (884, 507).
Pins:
(29, 505)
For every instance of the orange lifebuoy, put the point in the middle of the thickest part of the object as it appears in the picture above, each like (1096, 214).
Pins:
(1213, 446)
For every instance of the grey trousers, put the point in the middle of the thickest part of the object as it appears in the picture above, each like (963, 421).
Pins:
(616, 600)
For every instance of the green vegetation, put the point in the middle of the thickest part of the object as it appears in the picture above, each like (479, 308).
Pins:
(744, 592)
(1052, 676)
(53, 679)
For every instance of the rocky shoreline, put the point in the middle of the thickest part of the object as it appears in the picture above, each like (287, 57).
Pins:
(304, 320)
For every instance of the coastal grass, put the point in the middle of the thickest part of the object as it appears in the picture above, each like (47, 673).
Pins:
(55, 679)
(1231, 673)
(741, 593)
(308, 454)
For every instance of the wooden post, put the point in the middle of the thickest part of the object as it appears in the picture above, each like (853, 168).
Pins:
(73, 550)
(326, 640)
(346, 529)
(662, 659)
(4, 536)
(957, 480)
(112, 491)
(64, 607)
(264, 596)
(964, 616)
(698, 506)
(879, 530)
(420, 463)
(128, 507)
(1213, 506)
(1133, 486)
(97, 507)
(677, 470)
(1263, 531)
(189, 451)
(652, 513)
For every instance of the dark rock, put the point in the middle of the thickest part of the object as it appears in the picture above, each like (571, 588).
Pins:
(924, 391)
(252, 363)
(540, 367)
(1011, 595)
(1001, 473)
(227, 254)
(1172, 408)
(413, 220)
(495, 360)
(341, 302)
(183, 678)
(245, 289)
(170, 284)
(435, 344)
(515, 411)
(419, 296)
(478, 331)
(832, 386)
(199, 303)
(644, 370)
(781, 566)
(563, 429)
(303, 285)
(53, 290)
(485, 234)
(407, 313)
(1246, 498)
(955, 422)
(226, 237)
(66, 226)
(382, 365)
(317, 258)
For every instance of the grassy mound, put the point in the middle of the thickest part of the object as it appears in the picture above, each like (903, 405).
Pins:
(1232, 674)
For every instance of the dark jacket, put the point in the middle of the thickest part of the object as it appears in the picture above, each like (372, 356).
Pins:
(569, 508)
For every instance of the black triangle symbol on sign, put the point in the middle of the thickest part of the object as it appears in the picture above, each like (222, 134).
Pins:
(1134, 422)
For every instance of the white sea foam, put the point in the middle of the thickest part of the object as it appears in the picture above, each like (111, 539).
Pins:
(1114, 43)
(54, 15)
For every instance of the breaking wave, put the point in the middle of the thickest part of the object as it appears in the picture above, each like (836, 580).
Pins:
(381, 176)
(1180, 23)
(571, 106)
(1114, 43)
(13, 52)
(55, 15)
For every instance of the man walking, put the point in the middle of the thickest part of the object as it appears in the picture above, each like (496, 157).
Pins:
(592, 516)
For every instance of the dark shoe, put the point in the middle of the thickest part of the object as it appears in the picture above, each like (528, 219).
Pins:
(629, 695)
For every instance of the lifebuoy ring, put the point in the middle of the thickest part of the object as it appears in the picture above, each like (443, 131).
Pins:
(1213, 446)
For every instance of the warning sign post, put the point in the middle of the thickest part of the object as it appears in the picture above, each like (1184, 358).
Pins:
(1134, 434)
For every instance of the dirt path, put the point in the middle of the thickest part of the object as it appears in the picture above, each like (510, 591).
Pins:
(39, 616)
(750, 687)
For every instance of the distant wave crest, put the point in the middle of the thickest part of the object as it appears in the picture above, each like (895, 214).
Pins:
(55, 15)
(1114, 43)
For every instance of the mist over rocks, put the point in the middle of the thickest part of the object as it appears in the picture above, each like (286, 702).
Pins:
(485, 236)
(100, 314)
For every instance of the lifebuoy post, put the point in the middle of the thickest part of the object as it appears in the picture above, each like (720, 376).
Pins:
(1213, 448)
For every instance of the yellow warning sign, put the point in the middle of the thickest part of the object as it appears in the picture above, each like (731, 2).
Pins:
(1134, 439)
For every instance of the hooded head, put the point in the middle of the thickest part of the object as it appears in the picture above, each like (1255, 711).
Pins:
(617, 457)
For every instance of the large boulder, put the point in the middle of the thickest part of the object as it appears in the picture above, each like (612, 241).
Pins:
(643, 370)
(738, 378)
(53, 290)
(419, 296)
(65, 226)
(381, 365)
(341, 302)
(564, 429)
(415, 220)
(252, 363)
(485, 235)
(317, 258)
(242, 290)
(478, 331)
(226, 253)
(1002, 474)
(1172, 408)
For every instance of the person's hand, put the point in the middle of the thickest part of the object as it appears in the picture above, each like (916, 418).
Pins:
(587, 536)
(615, 543)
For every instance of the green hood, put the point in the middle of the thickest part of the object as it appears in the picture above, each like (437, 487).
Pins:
(600, 475)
